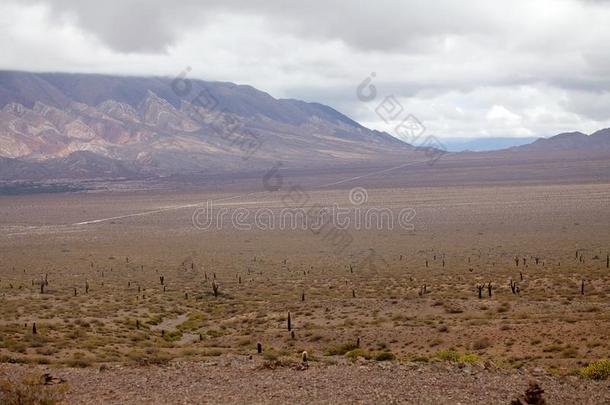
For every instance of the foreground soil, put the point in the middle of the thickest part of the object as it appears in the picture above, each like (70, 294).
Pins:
(242, 380)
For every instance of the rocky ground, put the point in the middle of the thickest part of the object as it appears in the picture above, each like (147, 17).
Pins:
(243, 380)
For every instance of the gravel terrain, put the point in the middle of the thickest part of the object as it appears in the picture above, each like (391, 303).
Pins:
(240, 380)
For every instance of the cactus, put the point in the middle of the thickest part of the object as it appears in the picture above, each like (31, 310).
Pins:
(215, 288)
(489, 288)
(34, 331)
(162, 279)
(86, 287)
(608, 260)
(358, 342)
(480, 287)
(289, 322)
(582, 287)
(353, 293)
(303, 296)
(304, 357)
(75, 291)
(259, 348)
(137, 324)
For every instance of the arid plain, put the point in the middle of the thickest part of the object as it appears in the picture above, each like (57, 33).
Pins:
(123, 280)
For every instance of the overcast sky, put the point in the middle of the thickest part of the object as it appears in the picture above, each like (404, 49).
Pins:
(463, 68)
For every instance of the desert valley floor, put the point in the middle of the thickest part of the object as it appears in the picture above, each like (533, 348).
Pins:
(125, 309)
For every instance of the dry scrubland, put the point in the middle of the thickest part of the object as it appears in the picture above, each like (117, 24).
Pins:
(138, 291)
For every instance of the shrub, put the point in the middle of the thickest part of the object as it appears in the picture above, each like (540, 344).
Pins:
(451, 355)
(469, 358)
(352, 354)
(598, 370)
(384, 356)
(29, 389)
(172, 336)
(447, 355)
(340, 350)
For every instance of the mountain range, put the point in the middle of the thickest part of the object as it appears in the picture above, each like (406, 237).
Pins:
(76, 125)
(84, 126)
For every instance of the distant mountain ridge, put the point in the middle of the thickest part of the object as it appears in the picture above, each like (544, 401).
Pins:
(152, 126)
(597, 141)
(483, 144)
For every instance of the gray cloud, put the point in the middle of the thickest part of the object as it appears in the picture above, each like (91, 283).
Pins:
(473, 67)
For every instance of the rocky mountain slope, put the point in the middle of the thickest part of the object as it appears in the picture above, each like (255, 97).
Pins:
(74, 125)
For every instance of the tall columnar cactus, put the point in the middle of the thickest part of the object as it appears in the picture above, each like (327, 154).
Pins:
(289, 322)
(215, 288)
(34, 331)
